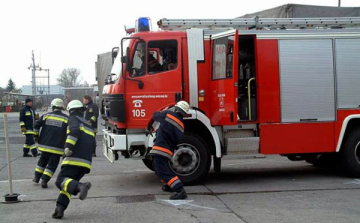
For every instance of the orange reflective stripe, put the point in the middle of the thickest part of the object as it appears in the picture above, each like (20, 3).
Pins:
(173, 180)
(175, 120)
(163, 150)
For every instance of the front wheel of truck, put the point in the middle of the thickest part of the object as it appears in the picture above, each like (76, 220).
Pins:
(148, 163)
(191, 160)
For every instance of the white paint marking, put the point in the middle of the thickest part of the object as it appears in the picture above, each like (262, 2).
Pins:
(355, 181)
(20, 180)
(185, 202)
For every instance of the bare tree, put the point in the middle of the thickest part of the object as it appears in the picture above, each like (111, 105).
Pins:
(69, 77)
(86, 84)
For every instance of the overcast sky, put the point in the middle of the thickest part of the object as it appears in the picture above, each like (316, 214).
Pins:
(71, 33)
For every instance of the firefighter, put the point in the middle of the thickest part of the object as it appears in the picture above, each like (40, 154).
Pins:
(79, 145)
(50, 142)
(91, 114)
(168, 136)
(27, 119)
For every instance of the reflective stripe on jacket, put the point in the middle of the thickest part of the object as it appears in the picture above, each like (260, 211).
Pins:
(92, 114)
(27, 119)
(169, 133)
(52, 127)
(81, 141)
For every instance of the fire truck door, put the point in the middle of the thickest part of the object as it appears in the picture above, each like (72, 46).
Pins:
(224, 76)
(161, 77)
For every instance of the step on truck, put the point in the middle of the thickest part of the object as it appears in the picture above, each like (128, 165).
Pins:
(255, 86)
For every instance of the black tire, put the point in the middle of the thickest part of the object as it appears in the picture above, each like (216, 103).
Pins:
(148, 163)
(351, 153)
(203, 159)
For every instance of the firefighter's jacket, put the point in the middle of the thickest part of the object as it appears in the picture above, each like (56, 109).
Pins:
(81, 141)
(53, 132)
(92, 114)
(169, 134)
(27, 119)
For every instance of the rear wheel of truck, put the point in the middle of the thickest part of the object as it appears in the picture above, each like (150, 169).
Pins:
(191, 160)
(351, 153)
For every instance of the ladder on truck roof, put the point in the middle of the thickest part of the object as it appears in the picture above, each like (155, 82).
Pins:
(260, 23)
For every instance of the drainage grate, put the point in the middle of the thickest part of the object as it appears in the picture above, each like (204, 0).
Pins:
(135, 199)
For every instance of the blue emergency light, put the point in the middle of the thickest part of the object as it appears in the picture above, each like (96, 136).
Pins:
(143, 24)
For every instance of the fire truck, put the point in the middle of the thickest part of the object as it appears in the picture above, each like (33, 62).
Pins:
(288, 86)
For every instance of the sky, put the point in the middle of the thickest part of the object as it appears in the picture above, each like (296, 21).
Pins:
(71, 33)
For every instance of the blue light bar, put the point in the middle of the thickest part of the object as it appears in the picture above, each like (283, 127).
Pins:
(143, 24)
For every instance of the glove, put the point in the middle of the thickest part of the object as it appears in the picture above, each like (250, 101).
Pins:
(23, 129)
(36, 138)
(67, 152)
(36, 116)
(89, 121)
(149, 131)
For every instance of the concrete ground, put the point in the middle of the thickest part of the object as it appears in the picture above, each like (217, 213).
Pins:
(271, 189)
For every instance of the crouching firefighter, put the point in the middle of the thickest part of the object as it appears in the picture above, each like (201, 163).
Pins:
(168, 136)
(51, 141)
(79, 146)
(27, 121)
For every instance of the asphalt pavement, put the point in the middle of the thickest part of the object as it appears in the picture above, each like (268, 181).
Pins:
(268, 189)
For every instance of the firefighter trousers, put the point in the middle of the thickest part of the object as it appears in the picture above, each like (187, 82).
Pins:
(166, 175)
(68, 183)
(30, 144)
(47, 165)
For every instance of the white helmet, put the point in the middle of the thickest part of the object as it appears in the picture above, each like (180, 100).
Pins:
(183, 107)
(74, 104)
(58, 103)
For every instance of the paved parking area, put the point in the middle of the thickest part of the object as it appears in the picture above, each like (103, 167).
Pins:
(270, 189)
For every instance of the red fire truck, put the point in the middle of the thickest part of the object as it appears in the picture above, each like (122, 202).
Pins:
(255, 86)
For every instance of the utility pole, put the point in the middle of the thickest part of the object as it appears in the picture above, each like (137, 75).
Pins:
(33, 75)
(339, 4)
(34, 68)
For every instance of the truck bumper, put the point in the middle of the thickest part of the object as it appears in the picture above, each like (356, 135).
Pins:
(113, 143)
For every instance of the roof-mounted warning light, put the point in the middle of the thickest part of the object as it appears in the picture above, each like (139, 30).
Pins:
(143, 24)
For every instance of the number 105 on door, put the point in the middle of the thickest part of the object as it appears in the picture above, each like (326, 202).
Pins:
(138, 113)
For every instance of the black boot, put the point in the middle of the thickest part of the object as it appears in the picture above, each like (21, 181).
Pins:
(166, 188)
(43, 184)
(36, 154)
(83, 189)
(59, 212)
(179, 195)
(26, 155)
(36, 179)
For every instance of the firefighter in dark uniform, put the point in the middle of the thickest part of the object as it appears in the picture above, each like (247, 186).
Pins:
(79, 145)
(168, 136)
(50, 142)
(91, 114)
(27, 121)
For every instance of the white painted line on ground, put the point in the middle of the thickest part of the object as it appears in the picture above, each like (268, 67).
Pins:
(185, 202)
(355, 181)
(20, 180)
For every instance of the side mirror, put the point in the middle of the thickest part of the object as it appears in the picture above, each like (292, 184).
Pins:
(114, 53)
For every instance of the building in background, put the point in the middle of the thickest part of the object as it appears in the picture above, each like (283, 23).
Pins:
(42, 99)
(72, 93)
(54, 89)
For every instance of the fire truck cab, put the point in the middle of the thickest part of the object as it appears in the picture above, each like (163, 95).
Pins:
(255, 86)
